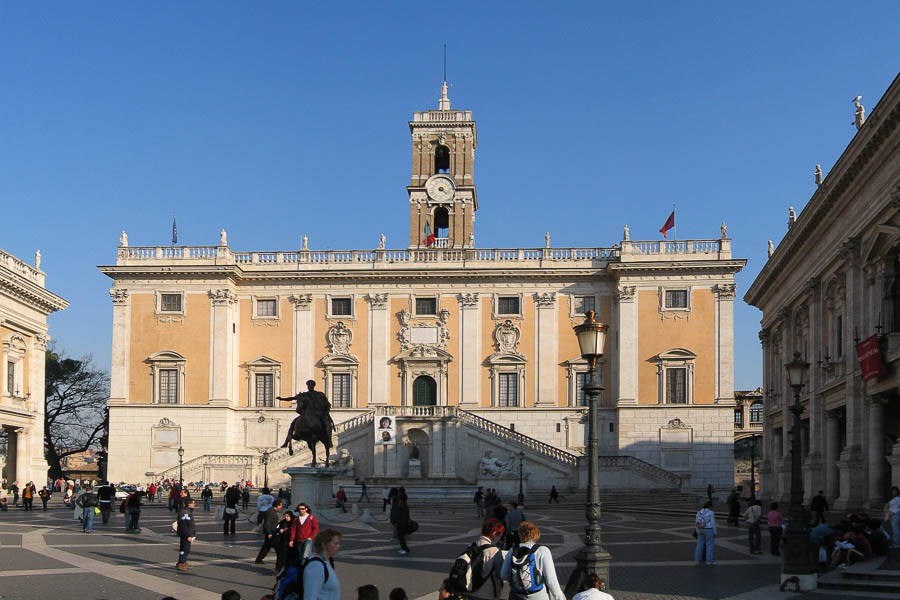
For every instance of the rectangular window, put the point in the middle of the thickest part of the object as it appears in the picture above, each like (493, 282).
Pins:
(426, 306)
(341, 307)
(583, 304)
(509, 389)
(168, 386)
(10, 377)
(266, 308)
(738, 417)
(558, 428)
(508, 305)
(265, 389)
(581, 380)
(676, 386)
(340, 390)
(170, 302)
(676, 298)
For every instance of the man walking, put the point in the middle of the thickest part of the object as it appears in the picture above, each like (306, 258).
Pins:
(734, 507)
(554, 495)
(478, 499)
(206, 494)
(364, 493)
(87, 501)
(28, 496)
(753, 518)
(270, 525)
(45, 496)
(818, 507)
(512, 520)
(106, 493)
(264, 502)
(186, 533)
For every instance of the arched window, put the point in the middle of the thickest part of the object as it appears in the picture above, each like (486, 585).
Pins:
(424, 391)
(441, 222)
(442, 159)
(756, 412)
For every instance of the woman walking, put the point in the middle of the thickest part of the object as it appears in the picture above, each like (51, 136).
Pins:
(775, 520)
(705, 523)
(400, 521)
(320, 582)
(539, 583)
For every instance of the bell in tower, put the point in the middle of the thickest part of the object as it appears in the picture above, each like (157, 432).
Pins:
(442, 197)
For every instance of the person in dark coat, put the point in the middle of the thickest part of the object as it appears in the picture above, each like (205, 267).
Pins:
(133, 511)
(230, 514)
(400, 521)
(734, 508)
(270, 530)
(818, 507)
(283, 549)
(186, 533)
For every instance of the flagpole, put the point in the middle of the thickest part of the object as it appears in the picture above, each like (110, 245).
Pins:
(674, 225)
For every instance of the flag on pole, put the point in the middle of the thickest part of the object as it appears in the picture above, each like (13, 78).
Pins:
(429, 235)
(670, 223)
(174, 231)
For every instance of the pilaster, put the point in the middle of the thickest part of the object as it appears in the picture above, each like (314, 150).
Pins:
(303, 340)
(121, 346)
(221, 347)
(725, 294)
(469, 350)
(832, 455)
(628, 331)
(379, 350)
(546, 349)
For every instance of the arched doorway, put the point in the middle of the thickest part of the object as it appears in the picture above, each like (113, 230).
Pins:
(424, 391)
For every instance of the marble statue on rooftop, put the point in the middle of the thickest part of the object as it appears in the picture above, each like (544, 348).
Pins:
(223, 238)
(37, 259)
(123, 239)
(382, 240)
(626, 234)
(547, 240)
(723, 230)
(471, 239)
(792, 217)
(818, 175)
(859, 117)
(305, 242)
(771, 248)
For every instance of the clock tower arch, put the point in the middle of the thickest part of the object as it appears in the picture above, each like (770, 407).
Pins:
(442, 199)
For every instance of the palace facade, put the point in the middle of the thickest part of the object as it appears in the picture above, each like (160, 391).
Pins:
(829, 290)
(25, 304)
(470, 348)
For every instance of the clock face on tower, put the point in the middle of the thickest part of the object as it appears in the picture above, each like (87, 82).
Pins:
(440, 188)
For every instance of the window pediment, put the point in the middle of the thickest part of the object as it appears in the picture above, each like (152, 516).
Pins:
(506, 358)
(676, 354)
(334, 360)
(262, 361)
(165, 355)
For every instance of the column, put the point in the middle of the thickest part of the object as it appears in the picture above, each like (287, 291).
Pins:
(11, 455)
(379, 349)
(876, 462)
(303, 341)
(894, 461)
(221, 347)
(628, 330)
(23, 473)
(469, 351)
(832, 453)
(121, 333)
(546, 349)
(38, 464)
(725, 294)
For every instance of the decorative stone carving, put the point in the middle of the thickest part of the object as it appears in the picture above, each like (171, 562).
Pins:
(123, 239)
(490, 465)
(223, 238)
(468, 300)
(723, 230)
(676, 424)
(377, 300)
(305, 244)
(545, 300)
(404, 317)
(444, 316)
(339, 339)
(345, 463)
(792, 217)
(725, 291)
(41, 340)
(223, 297)
(300, 301)
(382, 240)
(625, 293)
(626, 236)
(37, 259)
(818, 175)
(119, 296)
(547, 240)
(859, 115)
(507, 337)
(429, 334)
(166, 422)
(764, 336)
(850, 250)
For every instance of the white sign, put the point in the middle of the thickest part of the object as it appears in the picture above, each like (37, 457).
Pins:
(385, 430)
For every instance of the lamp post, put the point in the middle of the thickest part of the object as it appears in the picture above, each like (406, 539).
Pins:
(591, 558)
(180, 465)
(753, 467)
(265, 461)
(796, 562)
(521, 498)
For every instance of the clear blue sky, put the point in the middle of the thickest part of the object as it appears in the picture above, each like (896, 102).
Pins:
(275, 119)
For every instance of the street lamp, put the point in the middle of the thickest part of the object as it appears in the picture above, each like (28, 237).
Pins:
(521, 498)
(592, 558)
(265, 461)
(796, 560)
(180, 465)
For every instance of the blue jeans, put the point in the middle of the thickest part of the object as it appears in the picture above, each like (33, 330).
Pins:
(705, 537)
(206, 503)
(895, 529)
(87, 519)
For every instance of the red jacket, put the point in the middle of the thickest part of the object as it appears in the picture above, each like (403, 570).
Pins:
(306, 531)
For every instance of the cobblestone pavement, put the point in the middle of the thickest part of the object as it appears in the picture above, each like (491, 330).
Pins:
(42, 553)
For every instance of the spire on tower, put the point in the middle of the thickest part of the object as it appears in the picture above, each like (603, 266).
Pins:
(444, 103)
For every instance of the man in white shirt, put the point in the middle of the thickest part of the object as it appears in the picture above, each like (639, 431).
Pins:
(263, 503)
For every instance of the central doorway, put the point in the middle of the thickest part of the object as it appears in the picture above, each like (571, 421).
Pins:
(424, 391)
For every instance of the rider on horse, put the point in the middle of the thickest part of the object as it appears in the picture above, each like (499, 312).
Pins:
(314, 423)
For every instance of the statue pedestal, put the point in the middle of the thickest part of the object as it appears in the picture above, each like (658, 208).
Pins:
(507, 487)
(313, 485)
(415, 468)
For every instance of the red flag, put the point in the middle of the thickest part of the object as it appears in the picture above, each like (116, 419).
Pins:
(670, 223)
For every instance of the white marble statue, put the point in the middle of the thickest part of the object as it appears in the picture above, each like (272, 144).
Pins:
(723, 230)
(626, 235)
(37, 259)
(223, 238)
(859, 117)
(382, 240)
(771, 248)
(818, 174)
(489, 465)
(471, 239)
(305, 242)
(792, 217)
(123, 239)
(547, 240)
(345, 463)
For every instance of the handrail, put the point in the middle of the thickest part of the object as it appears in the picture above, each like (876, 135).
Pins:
(636, 464)
(508, 434)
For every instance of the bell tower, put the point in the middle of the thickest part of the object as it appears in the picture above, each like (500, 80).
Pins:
(442, 199)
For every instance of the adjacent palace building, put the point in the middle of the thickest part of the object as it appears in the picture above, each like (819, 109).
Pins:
(471, 348)
(24, 306)
(831, 291)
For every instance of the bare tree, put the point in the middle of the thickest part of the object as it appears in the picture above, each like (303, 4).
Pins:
(75, 417)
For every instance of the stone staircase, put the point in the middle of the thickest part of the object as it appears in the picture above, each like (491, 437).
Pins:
(878, 577)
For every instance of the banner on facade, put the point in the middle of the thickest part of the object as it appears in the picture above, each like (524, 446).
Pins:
(869, 354)
(385, 430)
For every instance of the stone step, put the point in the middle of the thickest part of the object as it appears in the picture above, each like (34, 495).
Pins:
(880, 586)
(878, 574)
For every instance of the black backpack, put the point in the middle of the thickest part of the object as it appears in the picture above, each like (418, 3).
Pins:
(289, 581)
(465, 574)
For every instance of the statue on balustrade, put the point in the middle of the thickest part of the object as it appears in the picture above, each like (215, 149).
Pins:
(314, 424)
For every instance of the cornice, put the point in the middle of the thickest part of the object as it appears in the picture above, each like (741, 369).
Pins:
(45, 301)
(720, 266)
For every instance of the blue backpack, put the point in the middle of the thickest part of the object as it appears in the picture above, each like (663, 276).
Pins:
(289, 581)
(525, 577)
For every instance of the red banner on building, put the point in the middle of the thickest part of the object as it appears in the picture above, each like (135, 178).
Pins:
(869, 354)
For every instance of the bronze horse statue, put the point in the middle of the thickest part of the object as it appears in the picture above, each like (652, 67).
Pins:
(314, 424)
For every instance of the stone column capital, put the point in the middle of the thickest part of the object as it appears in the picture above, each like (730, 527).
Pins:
(545, 299)
(468, 300)
(625, 293)
(223, 297)
(301, 301)
(119, 296)
(377, 301)
(725, 291)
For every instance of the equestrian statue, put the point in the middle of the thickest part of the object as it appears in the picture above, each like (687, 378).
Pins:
(314, 424)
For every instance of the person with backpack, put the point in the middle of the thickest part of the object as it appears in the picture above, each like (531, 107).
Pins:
(186, 533)
(476, 573)
(529, 569)
(87, 501)
(304, 530)
(269, 521)
(230, 513)
(753, 518)
(400, 521)
(705, 524)
(319, 580)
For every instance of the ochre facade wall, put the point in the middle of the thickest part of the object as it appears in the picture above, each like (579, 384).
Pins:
(273, 338)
